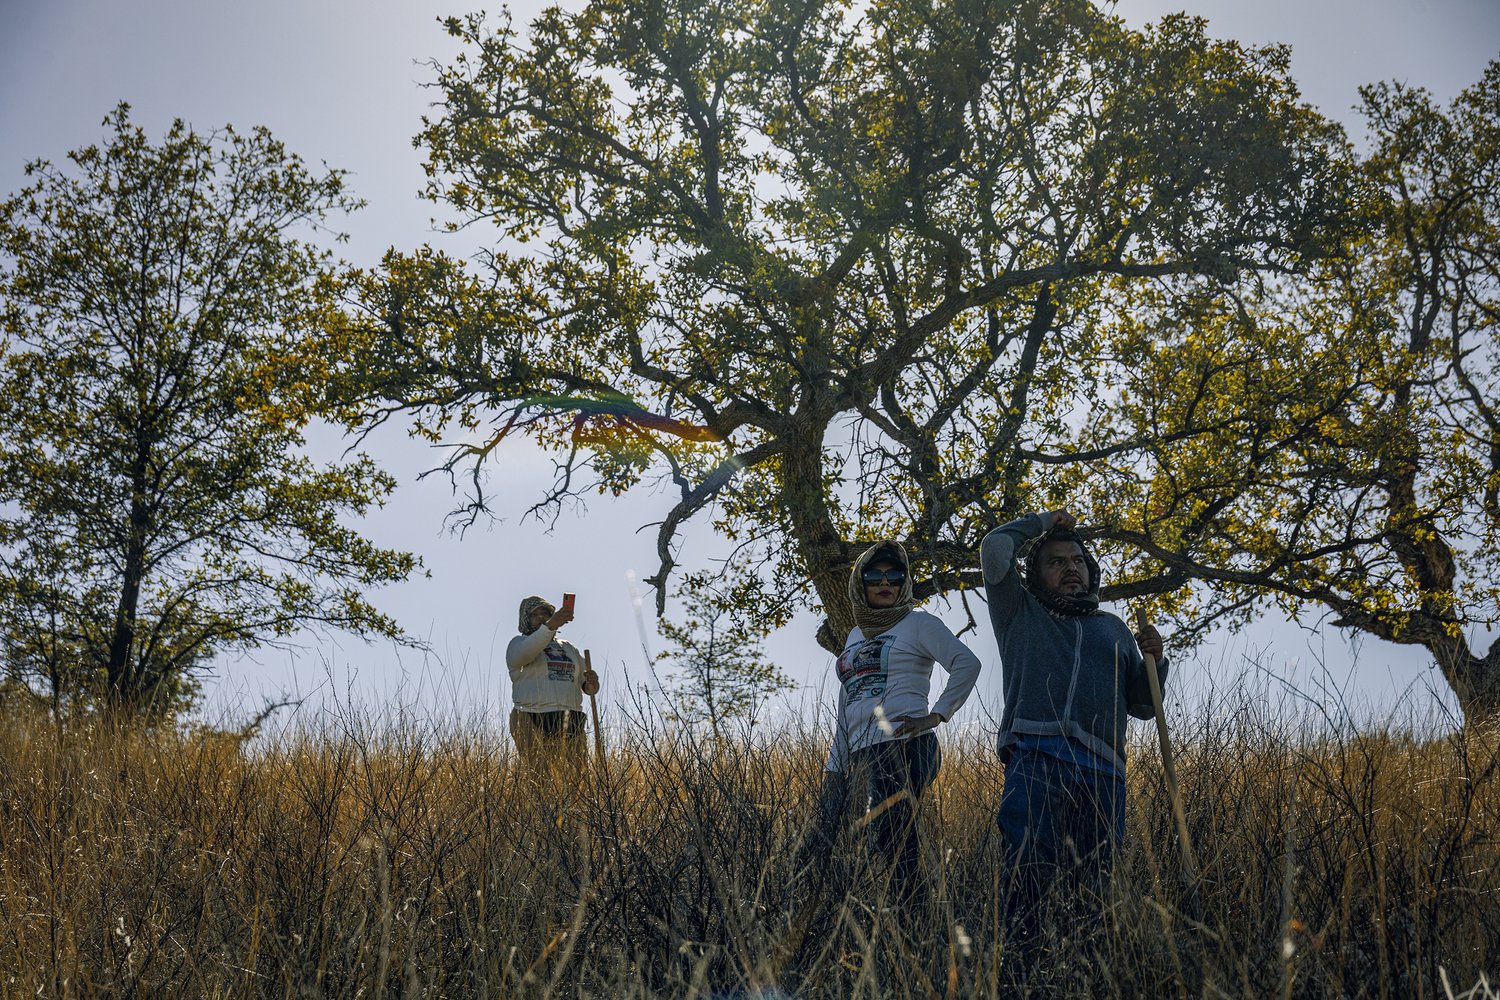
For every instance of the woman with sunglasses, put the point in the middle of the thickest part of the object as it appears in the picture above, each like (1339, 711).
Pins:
(884, 750)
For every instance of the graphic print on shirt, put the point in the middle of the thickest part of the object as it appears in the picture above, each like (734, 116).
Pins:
(559, 663)
(862, 669)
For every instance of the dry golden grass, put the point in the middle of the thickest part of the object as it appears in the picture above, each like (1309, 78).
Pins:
(371, 860)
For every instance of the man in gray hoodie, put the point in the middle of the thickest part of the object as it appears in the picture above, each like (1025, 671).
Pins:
(1072, 675)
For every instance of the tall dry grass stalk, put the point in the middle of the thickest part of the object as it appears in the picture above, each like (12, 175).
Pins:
(372, 860)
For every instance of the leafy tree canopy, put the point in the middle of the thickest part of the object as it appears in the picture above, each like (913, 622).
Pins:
(737, 237)
(842, 272)
(156, 503)
(1333, 441)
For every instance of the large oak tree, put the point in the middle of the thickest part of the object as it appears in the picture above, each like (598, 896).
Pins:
(833, 271)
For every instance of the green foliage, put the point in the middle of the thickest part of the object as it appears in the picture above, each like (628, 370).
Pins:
(844, 261)
(907, 271)
(156, 505)
(1332, 441)
(721, 673)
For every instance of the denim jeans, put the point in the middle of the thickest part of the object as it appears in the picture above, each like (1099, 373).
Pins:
(887, 778)
(1059, 824)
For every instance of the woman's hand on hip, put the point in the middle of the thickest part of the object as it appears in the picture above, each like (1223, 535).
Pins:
(915, 725)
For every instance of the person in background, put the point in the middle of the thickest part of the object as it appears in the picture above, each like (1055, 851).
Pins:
(1072, 676)
(885, 752)
(548, 681)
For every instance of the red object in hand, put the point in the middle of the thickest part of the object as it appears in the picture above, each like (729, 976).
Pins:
(567, 604)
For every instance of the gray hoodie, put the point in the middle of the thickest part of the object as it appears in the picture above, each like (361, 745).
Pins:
(1075, 676)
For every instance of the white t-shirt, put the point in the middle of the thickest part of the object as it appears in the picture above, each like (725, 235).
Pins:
(888, 676)
(546, 673)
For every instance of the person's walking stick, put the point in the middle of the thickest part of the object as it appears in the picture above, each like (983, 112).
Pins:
(1189, 861)
(588, 665)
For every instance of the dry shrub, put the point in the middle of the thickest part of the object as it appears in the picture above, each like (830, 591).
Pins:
(370, 858)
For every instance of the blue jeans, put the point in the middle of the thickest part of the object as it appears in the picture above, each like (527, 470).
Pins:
(876, 780)
(1059, 824)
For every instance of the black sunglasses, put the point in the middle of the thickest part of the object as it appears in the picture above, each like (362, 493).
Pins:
(895, 577)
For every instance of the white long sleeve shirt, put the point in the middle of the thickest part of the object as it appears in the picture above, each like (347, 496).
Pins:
(546, 673)
(889, 675)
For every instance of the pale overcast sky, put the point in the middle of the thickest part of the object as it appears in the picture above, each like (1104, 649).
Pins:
(339, 81)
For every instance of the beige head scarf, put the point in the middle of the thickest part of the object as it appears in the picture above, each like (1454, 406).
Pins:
(529, 605)
(873, 621)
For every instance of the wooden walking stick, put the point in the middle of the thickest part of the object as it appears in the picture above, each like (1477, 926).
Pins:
(1189, 861)
(588, 665)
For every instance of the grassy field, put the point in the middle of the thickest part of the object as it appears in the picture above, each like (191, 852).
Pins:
(383, 859)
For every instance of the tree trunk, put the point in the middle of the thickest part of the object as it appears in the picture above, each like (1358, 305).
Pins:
(122, 687)
(1474, 679)
(826, 555)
